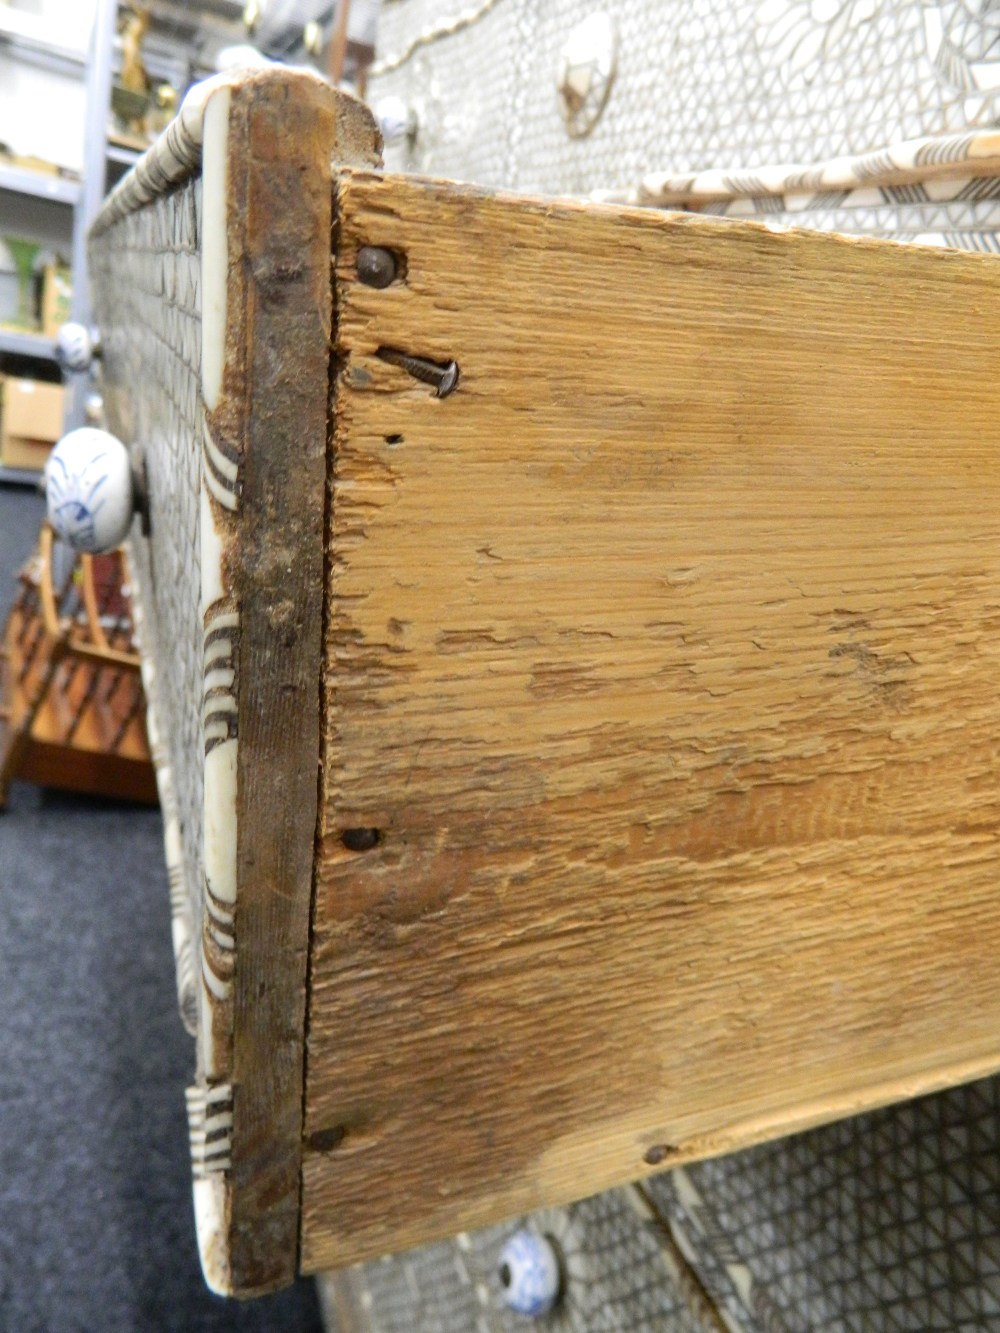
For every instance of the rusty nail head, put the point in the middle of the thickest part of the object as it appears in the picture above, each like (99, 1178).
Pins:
(376, 266)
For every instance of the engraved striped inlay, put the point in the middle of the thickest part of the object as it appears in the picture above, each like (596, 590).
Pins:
(222, 470)
(216, 968)
(219, 922)
(210, 1127)
(219, 716)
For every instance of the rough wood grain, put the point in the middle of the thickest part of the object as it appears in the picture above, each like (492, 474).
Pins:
(662, 654)
(282, 138)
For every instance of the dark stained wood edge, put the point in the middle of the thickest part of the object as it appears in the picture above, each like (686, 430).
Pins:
(282, 138)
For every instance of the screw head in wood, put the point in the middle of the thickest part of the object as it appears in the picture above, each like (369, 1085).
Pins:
(530, 1274)
(89, 490)
(376, 266)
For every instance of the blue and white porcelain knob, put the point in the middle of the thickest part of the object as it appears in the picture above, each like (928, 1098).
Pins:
(396, 120)
(89, 490)
(530, 1274)
(76, 346)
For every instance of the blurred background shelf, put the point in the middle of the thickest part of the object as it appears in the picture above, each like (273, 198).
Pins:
(20, 476)
(14, 342)
(39, 185)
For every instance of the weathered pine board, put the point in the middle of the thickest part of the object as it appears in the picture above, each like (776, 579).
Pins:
(211, 272)
(282, 135)
(274, 377)
(663, 654)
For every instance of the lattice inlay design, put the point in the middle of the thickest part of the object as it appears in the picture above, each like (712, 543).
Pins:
(702, 85)
(146, 274)
(887, 1220)
(618, 1275)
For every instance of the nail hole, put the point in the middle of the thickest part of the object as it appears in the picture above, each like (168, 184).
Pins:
(505, 1275)
(393, 439)
(361, 839)
(659, 1153)
(325, 1140)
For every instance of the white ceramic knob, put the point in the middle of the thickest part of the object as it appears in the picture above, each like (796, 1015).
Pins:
(395, 119)
(529, 1273)
(89, 490)
(76, 347)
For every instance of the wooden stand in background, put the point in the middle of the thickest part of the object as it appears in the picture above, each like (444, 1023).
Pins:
(73, 711)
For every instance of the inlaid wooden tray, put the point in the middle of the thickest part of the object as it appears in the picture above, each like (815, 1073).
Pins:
(571, 640)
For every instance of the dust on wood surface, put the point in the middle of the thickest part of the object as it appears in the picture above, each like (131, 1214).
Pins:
(277, 370)
(659, 795)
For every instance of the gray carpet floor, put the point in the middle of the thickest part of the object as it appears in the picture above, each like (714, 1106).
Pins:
(96, 1228)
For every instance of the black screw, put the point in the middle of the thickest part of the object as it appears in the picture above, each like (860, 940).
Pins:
(444, 377)
(376, 266)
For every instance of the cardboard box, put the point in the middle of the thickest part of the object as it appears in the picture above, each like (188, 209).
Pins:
(31, 420)
(57, 293)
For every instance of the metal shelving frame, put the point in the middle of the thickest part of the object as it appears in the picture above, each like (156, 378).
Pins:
(95, 161)
(19, 180)
(15, 342)
(83, 197)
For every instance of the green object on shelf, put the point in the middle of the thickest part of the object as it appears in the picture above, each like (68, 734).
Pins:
(24, 254)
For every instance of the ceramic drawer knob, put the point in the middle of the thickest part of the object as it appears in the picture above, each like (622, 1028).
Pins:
(395, 119)
(586, 72)
(76, 347)
(529, 1273)
(89, 490)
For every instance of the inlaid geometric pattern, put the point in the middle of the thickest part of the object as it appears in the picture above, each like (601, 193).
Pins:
(889, 1220)
(146, 276)
(620, 1276)
(706, 84)
(700, 84)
